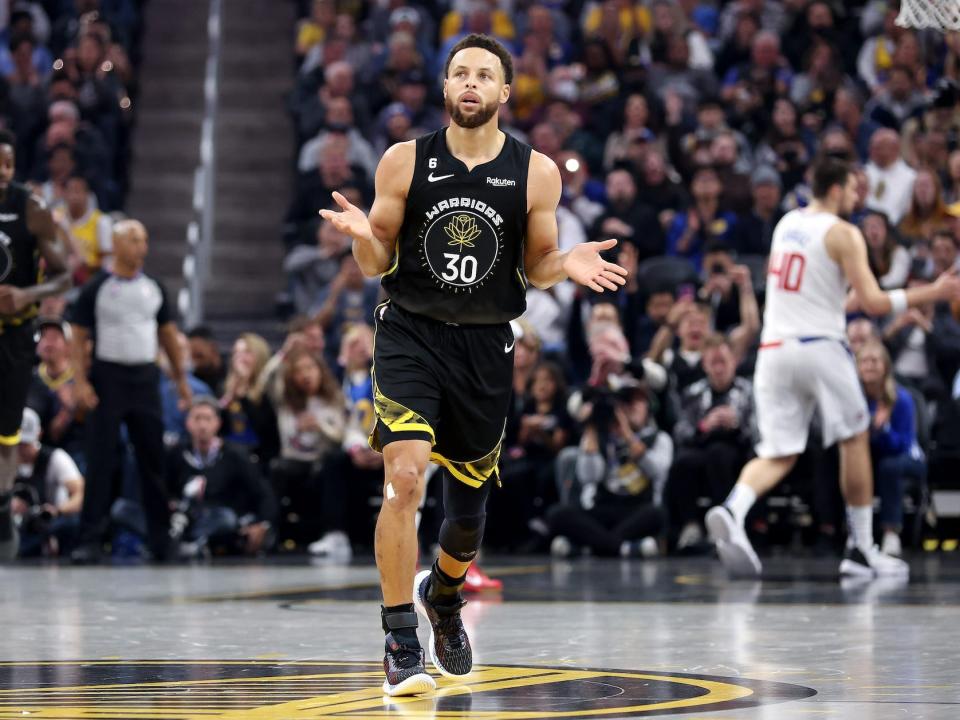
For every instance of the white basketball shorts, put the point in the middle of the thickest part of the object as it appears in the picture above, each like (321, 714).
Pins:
(795, 377)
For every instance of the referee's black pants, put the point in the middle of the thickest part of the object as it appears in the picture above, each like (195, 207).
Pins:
(128, 394)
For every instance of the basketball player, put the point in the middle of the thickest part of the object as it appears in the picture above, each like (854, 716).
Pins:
(464, 219)
(27, 233)
(804, 364)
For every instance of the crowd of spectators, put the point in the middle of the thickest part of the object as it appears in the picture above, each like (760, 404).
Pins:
(684, 129)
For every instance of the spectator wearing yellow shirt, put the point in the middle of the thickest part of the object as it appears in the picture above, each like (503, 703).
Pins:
(313, 30)
(617, 22)
(465, 14)
(89, 230)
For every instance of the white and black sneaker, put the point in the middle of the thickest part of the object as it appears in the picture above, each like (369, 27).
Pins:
(871, 563)
(733, 546)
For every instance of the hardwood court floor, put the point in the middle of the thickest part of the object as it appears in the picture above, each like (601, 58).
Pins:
(566, 639)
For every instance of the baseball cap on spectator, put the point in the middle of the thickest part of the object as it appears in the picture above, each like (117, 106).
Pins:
(707, 18)
(394, 109)
(404, 15)
(30, 427)
(59, 323)
(766, 175)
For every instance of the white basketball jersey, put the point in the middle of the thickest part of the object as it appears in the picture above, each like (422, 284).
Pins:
(806, 289)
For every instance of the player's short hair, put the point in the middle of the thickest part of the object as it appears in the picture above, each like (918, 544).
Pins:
(827, 172)
(485, 42)
(8, 138)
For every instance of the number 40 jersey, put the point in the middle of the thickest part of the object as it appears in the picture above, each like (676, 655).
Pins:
(806, 289)
(459, 256)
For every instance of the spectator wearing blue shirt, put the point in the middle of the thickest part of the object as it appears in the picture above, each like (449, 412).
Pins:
(893, 439)
(704, 222)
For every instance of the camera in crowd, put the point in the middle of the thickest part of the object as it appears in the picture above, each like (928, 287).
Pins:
(618, 391)
(38, 519)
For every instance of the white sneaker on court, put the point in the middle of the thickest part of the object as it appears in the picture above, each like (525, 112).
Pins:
(733, 546)
(871, 563)
(334, 545)
(891, 544)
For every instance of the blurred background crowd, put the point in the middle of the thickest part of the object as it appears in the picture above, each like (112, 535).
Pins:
(683, 128)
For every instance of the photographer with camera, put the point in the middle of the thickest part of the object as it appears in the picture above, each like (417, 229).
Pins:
(714, 439)
(47, 494)
(612, 483)
(222, 502)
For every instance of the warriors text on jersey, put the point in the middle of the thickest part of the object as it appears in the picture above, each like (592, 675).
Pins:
(19, 254)
(459, 255)
(806, 288)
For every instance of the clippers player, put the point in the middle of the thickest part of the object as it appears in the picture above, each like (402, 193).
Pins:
(27, 233)
(464, 218)
(804, 364)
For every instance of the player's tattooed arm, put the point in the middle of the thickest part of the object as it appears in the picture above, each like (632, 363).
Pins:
(544, 263)
(41, 224)
(375, 237)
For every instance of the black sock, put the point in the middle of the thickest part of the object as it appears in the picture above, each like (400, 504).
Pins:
(444, 590)
(405, 636)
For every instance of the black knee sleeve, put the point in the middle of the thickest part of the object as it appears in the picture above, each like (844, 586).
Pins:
(465, 513)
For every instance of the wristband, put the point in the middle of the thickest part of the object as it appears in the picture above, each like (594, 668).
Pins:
(898, 301)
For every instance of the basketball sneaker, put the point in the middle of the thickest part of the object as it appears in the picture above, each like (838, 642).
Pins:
(871, 563)
(404, 668)
(733, 546)
(449, 645)
(478, 581)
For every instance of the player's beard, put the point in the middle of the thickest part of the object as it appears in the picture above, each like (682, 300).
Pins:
(481, 116)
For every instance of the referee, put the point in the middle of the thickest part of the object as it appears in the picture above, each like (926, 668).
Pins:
(124, 313)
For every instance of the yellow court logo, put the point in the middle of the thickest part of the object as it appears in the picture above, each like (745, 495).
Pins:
(278, 690)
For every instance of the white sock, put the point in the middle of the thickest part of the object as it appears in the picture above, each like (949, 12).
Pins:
(860, 519)
(740, 500)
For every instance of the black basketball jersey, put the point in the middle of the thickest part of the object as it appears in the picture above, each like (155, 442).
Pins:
(19, 254)
(459, 257)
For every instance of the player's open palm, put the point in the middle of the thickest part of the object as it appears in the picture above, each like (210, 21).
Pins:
(584, 265)
(351, 220)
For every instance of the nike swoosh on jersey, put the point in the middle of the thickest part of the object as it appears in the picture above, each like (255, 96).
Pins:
(431, 178)
(508, 348)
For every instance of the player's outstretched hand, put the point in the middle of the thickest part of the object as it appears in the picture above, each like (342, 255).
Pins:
(948, 285)
(584, 265)
(351, 220)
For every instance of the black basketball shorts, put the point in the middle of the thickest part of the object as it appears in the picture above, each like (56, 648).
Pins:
(17, 347)
(447, 384)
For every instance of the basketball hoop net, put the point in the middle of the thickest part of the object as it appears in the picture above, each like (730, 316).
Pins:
(940, 14)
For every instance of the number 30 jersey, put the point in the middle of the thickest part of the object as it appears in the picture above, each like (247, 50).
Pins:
(806, 289)
(459, 255)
